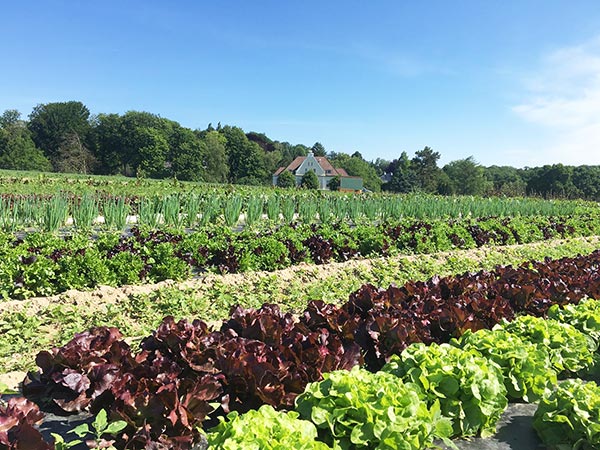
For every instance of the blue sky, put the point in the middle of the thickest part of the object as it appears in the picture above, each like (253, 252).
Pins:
(507, 82)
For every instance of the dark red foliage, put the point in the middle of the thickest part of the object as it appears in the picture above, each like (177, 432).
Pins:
(165, 391)
(321, 249)
(17, 419)
(75, 374)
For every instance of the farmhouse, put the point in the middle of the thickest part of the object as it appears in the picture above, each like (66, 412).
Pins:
(324, 171)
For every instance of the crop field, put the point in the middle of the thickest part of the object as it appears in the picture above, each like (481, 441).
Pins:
(61, 203)
(175, 315)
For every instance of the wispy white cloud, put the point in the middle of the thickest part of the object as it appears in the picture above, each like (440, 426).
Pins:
(563, 97)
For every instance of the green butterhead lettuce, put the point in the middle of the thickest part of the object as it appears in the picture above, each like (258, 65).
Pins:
(569, 418)
(570, 350)
(528, 372)
(585, 316)
(358, 409)
(264, 429)
(469, 388)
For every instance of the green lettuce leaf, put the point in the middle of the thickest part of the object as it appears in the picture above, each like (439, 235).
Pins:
(469, 388)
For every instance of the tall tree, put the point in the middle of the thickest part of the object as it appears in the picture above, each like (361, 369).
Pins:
(381, 165)
(109, 144)
(358, 167)
(403, 178)
(289, 152)
(246, 158)
(144, 143)
(9, 118)
(466, 177)
(552, 181)
(506, 180)
(334, 184)
(74, 156)
(426, 169)
(17, 149)
(286, 179)
(587, 181)
(318, 149)
(188, 154)
(51, 123)
(216, 169)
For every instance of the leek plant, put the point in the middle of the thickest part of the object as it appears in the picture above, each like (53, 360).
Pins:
(209, 210)
(354, 210)
(288, 207)
(9, 216)
(371, 209)
(192, 208)
(232, 210)
(324, 210)
(307, 210)
(148, 214)
(340, 211)
(273, 208)
(254, 209)
(27, 212)
(84, 212)
(115, 213)
(170, 207)
(55, 213)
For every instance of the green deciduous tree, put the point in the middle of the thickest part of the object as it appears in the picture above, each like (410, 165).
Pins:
(358, 167)
(9, 118)
(216, 168)
(286, 179)
(466, 177)
(74, 157)
(17, 149)
(246, 158)
(109, 144)
(138, 143)
(551, 181)
(334, 184)
(587, 181)
(187, 154)
(505, 180)
(152, 152)
(403, 179)
(51, 123)
(310, 181)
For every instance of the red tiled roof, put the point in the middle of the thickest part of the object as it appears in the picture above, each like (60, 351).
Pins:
(341, 172)
(281, 169)
(296, 163)
(325, 164)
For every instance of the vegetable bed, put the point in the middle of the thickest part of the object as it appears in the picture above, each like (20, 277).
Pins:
(44, 264)
(186, 375)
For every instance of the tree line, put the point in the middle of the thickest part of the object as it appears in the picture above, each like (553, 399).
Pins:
(66, 137)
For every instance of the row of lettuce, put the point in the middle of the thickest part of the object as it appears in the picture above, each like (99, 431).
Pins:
(45, 264)
(390, 368)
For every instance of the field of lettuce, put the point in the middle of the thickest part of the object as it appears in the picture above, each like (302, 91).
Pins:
(373, 329)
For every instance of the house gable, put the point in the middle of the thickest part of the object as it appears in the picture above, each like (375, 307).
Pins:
(310, 164)
(321, 166)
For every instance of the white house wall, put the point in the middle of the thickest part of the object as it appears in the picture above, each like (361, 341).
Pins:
(310, 164)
